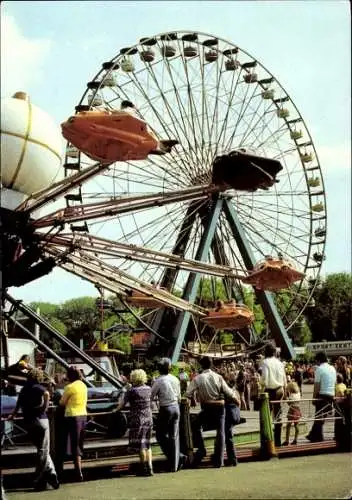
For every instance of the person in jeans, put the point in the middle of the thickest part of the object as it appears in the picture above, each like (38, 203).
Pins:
(324, 392)
(166, 389)
(33, 400)
(211, 389)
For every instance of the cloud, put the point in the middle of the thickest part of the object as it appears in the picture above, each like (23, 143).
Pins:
(22, 58)
(335, 158)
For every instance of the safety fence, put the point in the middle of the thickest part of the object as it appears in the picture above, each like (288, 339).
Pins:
(281, 429)
(287, 423)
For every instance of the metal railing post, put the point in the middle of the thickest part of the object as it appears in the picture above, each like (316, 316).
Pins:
(267, 446)
(52, 430)
(186, 440)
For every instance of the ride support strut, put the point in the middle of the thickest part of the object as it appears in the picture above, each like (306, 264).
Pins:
(265, 299)
(192, 285)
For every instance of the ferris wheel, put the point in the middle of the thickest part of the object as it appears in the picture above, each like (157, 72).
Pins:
(160, 223)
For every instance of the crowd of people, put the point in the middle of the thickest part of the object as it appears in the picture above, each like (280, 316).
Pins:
(221, 391)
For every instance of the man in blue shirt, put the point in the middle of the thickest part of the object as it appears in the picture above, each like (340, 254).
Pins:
(33, 400)
(324, 392)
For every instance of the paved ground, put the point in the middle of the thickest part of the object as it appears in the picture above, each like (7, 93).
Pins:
(322, 476)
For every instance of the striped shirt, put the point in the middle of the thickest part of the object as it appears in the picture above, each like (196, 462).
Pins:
(210, 386)
(167, 389)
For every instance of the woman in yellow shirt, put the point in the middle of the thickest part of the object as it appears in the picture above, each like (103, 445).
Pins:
(74, 399)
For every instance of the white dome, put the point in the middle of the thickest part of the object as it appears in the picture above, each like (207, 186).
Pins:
(31, 146)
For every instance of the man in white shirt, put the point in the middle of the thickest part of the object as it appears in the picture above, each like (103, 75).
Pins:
(166, 389)
(324, 392)
(273, 379)
(211, 390)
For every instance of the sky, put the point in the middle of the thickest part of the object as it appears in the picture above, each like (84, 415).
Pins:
(52, 49)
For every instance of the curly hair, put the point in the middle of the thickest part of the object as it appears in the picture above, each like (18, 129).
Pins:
(36, 375)
(138, 377)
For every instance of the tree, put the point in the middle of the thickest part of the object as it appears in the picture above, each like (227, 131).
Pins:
(50, 312)
(330, 318)
(121, 341)
(81, 317)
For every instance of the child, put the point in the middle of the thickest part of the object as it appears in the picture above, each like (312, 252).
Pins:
(340, 388)
(294, 412)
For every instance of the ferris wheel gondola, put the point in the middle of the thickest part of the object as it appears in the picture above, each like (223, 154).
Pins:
(223, 108)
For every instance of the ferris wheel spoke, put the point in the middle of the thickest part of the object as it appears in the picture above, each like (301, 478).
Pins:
(264, 125)
(192, 113)
(242, 111)
(285, 238)
(159, 169)
(267, 221)
(155, 236)
(172, 115)
(231, 96)
(274, 135)
(204, 114)
(237, 260)
(281, 209)
(183, 113)
(259, 120)
(166, 129)
(214, 119)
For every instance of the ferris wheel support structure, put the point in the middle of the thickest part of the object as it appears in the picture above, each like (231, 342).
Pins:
(265, 299)
(192, 285)
(218, 205)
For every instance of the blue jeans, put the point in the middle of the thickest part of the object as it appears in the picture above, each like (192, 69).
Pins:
(39, 432)
(167, 434)
(232, 418)
(323, 409)
(212, 416)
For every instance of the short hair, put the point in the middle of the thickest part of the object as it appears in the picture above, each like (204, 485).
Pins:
(138, 377)
(339, 378)
(36, 375)
(269, 350)
(342, 359)
(292, 388)
(74, 373)
(321, 357)
(126, 369)
(24, 357)
(205, 363)
(164, 365)
(127, 104)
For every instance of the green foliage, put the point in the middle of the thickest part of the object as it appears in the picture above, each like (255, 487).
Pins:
(226, 338)
(81, 318)
(330, 318)
(249, 298)
(50, 312)
(121, 341)
(58, 325)
(301, 333)
(46, 309)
